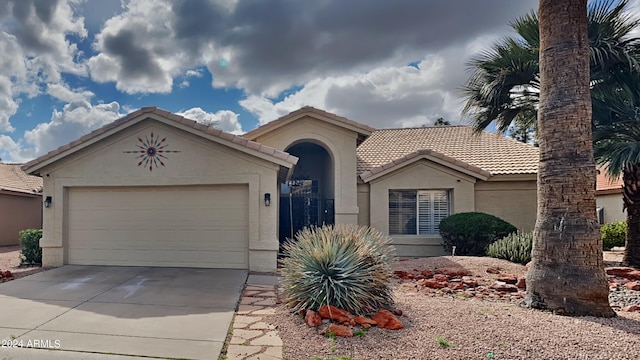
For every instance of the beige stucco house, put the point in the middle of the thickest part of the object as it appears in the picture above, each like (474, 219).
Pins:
(20, 203)
(156, 189)
(609, 199)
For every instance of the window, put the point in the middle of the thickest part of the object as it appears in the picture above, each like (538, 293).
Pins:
(417, 212)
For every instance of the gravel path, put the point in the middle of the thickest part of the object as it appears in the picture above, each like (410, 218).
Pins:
(474, 329)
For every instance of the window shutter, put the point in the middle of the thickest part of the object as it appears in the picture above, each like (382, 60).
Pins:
(433, 206)
(402, 212)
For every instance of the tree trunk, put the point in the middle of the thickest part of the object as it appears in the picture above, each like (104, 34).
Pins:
(631, 199)
(567, 271)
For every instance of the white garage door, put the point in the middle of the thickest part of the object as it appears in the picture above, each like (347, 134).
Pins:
(185, 226)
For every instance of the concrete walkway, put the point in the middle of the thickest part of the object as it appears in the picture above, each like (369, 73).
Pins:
(252, 338)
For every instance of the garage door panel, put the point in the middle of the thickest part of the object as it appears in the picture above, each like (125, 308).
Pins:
(231, 260)
(169, 240)
(151, 219)
(204, 226)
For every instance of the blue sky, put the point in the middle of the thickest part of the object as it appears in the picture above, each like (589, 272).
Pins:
(70, 66)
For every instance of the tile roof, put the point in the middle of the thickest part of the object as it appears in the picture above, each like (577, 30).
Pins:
(425, 154)
(272, 125)
(146, 111)
(605, 183)
(12, 178)
(494, 154)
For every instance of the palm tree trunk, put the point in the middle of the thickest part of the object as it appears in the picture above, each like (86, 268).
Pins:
(567, 272)
(631, 199)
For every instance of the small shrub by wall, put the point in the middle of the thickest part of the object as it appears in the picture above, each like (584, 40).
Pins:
(613, 234)
(31, 253)
(472, 232)
(515, 247)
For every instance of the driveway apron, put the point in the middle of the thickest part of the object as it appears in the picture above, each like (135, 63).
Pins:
(104, 312)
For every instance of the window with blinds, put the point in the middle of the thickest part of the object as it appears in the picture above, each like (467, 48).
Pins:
(417, 212)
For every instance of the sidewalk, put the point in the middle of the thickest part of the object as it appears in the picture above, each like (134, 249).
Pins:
(252, 338)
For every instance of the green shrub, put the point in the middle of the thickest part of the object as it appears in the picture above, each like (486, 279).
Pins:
(31, 253)
(614, 234)
(347, 266)
(472, 232)
(515, 247)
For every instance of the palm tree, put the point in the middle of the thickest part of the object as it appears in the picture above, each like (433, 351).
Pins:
(505, 81)
(616, 141)
(567, 269)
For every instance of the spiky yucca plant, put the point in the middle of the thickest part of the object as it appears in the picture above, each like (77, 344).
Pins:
(347, 266)
(515, 247)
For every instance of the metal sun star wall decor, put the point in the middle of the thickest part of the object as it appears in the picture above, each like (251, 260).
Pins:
(151, 151)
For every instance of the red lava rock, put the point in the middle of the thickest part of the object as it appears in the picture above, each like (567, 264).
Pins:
(6, 274)
(440, 277)
(312, 319)
(453, 272)
(403, 275)
(469, 282)
(624, 272)
(633, 285)
(456, 286)
(397, 312)
(501, 286)
(386, 320)
(521, 283)
(493, 270)
(432, 283)
(613, 286)
(427, 273)
(361, 320)
(334, 313)
(508, 278)
(631, 308)
(340, 330)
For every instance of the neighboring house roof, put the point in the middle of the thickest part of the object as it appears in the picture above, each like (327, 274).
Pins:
(279, 157)
(13, 179)
(362, 129)
(484, 153)
(607, 185)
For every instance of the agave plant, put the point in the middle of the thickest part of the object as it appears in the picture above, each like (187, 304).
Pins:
(347, 266)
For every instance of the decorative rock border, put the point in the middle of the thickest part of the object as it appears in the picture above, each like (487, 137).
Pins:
(252, 338)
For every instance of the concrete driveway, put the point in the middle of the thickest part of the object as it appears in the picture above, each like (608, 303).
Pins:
(99, 312)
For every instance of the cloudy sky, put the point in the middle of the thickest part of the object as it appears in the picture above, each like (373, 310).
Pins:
(70, 66)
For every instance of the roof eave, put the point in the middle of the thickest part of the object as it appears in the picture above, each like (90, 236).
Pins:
(361, 129)
(429, 155)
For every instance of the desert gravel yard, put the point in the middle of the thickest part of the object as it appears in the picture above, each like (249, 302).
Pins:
(494, 327)
(10, 260)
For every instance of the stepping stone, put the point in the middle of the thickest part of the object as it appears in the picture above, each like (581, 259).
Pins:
(239, 352)
(270, 338)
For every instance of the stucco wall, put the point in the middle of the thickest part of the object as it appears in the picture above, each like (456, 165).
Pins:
(198, 162)
(341, 145)
(363, 204)
(19, 212)
(513, 201)
(612, 205)
(423, 175)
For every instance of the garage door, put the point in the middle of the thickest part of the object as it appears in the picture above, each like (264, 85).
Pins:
(187, 226)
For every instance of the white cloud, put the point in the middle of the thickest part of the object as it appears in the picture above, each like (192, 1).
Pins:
(401, 96)
(75, 120)
(35, 48)
(136, 50)
(65, 94)
(224, 120)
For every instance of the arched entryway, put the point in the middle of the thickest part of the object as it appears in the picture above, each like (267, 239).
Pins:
(307, 199)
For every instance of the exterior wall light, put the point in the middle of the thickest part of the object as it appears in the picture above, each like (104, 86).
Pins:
(47, 201)
(267, 199)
